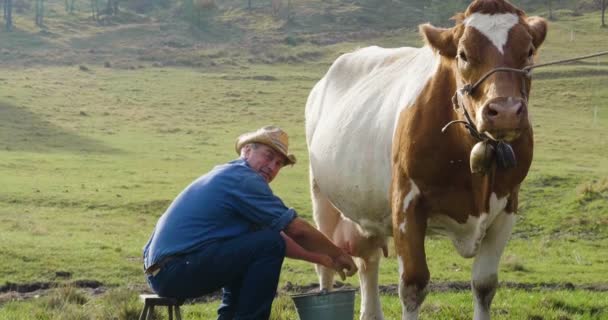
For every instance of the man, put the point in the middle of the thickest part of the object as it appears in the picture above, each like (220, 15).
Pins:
(228, 230)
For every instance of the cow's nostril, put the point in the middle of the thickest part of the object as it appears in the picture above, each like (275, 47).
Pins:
(492, 112)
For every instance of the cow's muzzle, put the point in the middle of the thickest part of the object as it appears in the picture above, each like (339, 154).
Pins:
(503, 118)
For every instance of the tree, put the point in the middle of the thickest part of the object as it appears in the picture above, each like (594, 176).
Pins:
(290, 13)
(39, 12)
(112, 7)
(69, 6)
(603, 13)
(601, 5)
(550, 3)
(95, 9)
(277, 5)
(201, 9)
(8, 14)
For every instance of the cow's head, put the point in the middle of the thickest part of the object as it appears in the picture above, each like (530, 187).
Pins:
(491, 34)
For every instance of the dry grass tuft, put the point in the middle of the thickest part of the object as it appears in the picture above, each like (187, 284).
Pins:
(65, 295)
(514, 263)
(594, 190)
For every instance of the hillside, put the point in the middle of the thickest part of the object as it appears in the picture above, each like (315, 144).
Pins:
(156, 33)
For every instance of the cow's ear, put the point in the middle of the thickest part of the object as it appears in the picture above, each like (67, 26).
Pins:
(538, 30)
(440, 39)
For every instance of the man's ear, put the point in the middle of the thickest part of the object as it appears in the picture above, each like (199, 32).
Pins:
(245, 151)
(538, 30)
(440, 39)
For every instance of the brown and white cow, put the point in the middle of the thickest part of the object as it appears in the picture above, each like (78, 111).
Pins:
(380, 164)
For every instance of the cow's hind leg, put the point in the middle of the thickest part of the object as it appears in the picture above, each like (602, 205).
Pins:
(326, 217)
(409, 229)
(485, 268)
(371, 309)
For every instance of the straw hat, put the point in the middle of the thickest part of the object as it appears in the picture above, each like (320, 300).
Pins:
(271, 136)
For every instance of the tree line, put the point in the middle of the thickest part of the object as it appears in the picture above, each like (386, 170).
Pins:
(199, 11)
(110, 7)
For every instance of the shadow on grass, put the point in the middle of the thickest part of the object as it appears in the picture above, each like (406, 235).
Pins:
(24, 39)
(574, 309)
(22, 130)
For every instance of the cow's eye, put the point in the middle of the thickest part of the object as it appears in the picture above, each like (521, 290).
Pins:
(462, 56)
(531, 53)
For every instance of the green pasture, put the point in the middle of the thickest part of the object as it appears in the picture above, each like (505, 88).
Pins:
(90, 158)
(66, 303)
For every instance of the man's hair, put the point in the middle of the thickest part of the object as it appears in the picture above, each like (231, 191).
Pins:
(253, 146)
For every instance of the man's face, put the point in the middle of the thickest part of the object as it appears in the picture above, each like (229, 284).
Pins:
(265, 160)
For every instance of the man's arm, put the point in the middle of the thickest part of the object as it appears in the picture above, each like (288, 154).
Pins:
(313, 240)
(295, 251)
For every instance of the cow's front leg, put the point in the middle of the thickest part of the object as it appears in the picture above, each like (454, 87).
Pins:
(485, 268)
(409, 229)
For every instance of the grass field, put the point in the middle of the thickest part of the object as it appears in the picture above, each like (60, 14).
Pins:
(90, 157)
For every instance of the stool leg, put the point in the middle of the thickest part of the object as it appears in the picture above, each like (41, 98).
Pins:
(178, 314)
(170, 312)
(151, 312)
(144, 313)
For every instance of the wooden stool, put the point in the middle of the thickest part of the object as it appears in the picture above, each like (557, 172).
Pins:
(152, 300)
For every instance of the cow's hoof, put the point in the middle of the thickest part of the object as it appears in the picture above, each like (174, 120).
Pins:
(369, 316)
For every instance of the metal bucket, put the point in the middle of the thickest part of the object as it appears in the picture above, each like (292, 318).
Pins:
(324, 305)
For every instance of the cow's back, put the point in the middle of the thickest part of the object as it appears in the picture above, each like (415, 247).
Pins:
(351, 115)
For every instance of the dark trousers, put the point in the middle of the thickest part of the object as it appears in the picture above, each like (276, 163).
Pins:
(247, 268)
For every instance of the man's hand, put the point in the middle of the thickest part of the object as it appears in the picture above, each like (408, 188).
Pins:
(325, 261)
(312, 240)
(344, 262)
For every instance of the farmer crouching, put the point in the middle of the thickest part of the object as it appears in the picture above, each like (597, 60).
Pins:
(228, 230)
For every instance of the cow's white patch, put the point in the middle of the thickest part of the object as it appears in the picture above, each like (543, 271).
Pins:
(400, 266)
(467, 236)
(402, 226)
(414, 192)
(486, 263)
(364, 91)
(485, 267)
(494, 26)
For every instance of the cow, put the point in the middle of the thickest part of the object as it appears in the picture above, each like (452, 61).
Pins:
(406, 141)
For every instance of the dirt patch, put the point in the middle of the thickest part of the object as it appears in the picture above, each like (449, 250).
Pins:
(34, 286)
(455, 286)
(24, 291)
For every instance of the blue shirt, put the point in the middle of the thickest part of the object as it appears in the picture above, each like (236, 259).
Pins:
(230, 200)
